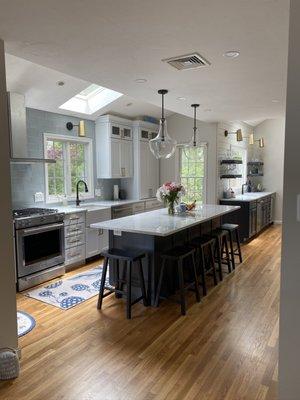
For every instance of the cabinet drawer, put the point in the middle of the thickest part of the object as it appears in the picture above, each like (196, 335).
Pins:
(75, 254)
(75, 229)
(74, 218)
(150, 204)
(75, 240)
(138, 207)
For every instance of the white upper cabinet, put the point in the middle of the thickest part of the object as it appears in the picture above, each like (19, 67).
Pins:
(114, 147)
(146, 166)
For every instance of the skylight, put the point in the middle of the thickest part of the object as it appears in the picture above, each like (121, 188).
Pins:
(91, 99)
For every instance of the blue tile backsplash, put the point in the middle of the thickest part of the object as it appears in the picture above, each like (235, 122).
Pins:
(29, 179)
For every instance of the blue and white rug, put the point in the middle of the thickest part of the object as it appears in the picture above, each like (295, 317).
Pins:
(25, 323)
(69, 292)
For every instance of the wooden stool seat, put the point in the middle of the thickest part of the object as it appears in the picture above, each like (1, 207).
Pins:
(233, 229)
(178, 255)
(130, 258)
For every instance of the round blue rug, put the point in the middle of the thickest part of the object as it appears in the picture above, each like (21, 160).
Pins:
(25, 323)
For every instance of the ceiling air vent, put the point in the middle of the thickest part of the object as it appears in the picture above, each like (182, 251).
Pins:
(188, 61)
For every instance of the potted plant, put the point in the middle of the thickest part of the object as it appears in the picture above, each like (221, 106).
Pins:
(169, 193)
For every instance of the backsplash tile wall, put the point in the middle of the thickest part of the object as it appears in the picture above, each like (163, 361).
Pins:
(29, 179)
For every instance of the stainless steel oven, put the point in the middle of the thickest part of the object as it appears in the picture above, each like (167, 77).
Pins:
(40, 248)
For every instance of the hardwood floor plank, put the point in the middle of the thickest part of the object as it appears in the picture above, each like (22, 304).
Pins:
(224, 349)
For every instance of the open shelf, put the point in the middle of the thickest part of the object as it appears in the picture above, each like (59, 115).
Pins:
(249, 175)
(255, 163)
(231, 161)
(232, 176)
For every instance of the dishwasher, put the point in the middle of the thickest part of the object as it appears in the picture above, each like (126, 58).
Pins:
(121, 211)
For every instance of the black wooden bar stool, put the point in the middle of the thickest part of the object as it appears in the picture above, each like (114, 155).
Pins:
(203, 245)
(179, 255)
(221, 248)
(130, 258)
(233, 229)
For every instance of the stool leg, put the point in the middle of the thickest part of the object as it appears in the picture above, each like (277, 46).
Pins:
(102, 284)
(212, 261)
(219, 258)
(202, 269)
(128, 303)
(225, 244)
(158, 289)
(142, 282)
(231, 249)
(124, 274)
(117, 295)
(195, 279)
(181, 287)
(237, 235)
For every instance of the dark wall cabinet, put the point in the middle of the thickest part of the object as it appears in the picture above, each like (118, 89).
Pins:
(252, 217)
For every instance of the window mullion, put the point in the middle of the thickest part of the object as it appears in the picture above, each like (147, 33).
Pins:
(67, 169)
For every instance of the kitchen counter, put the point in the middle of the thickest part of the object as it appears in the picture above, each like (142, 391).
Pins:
(252, 196)
(160, 223)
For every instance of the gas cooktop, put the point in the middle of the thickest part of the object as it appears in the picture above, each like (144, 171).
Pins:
(34, 211)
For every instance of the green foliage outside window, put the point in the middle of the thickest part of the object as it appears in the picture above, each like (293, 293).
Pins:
(192, 173)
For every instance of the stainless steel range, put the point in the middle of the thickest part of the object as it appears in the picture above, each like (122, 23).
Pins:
(40, 248)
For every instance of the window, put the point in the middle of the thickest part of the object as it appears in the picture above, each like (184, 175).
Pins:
(192, 173)
(74, 161)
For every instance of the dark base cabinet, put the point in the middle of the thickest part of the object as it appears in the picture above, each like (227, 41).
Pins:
(252, 217)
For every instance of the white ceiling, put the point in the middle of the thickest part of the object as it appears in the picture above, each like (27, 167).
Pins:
(112, 43)
(39, 85)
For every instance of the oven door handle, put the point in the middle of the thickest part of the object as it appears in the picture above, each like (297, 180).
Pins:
(43, 228)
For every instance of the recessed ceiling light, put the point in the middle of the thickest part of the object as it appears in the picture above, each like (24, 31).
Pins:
(275, 101)
(140, 80)
(181, 98)
(129, 104)
(60, 83)
(231, 54)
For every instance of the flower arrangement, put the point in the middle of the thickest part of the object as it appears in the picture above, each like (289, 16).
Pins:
(169, 193)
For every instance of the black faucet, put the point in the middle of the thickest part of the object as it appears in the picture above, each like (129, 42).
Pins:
(244, 184)
(77, 194)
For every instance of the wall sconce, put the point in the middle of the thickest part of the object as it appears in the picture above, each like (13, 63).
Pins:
(251, 138)
(261, 142)
(81, 128)
(238, 133)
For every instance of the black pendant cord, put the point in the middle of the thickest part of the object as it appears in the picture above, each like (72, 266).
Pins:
(195, 124)
(162, 92)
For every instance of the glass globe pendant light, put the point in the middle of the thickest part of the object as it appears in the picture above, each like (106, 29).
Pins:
(191, 148)
(162, 146)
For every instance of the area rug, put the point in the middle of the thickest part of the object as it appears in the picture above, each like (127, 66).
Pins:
(25, 323)
(69, 292)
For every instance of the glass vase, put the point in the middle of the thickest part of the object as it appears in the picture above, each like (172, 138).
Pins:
(171, 208)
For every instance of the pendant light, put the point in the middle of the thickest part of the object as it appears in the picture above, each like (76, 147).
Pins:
(162, 146)
(193, 144)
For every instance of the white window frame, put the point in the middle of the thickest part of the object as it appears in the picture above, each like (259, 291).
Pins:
(179, 148)
(89, 166)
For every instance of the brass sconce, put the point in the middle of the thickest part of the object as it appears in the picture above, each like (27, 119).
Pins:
(81, 128)
(261, 142)
(238, 133)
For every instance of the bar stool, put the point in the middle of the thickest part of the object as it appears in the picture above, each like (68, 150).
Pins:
(179, 255)
(130, 258)
(221, 247)
(233, 229)
(203, 244)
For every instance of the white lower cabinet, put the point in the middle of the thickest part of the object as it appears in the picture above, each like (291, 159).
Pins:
(96, 239)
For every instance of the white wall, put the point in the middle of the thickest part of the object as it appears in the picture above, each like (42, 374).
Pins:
(273, 132)
(180, 128)
(289, 331)
(8, 325)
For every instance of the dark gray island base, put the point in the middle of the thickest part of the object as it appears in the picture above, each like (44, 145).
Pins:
(155, 246)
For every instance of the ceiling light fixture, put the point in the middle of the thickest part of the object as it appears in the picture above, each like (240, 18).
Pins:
(140, 80)
(231, 54)
(193, 144)
(162, 146)
(60, 83)
(238, 133)
(80, 126)
(275, 101)
(181, 98)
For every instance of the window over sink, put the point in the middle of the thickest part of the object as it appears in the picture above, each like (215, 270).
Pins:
(74, 161)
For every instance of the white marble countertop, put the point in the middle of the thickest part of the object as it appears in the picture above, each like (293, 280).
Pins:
(160, 223)
(251, 196)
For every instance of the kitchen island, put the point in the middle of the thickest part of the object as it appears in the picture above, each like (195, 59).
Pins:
(157, 231)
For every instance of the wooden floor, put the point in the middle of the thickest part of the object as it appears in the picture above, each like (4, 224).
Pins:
(225, 348)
